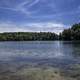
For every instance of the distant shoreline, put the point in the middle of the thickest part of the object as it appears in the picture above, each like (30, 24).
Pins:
(71, 34)
(28, 36)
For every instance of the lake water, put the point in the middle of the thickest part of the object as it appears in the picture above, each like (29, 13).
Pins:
(50, 53)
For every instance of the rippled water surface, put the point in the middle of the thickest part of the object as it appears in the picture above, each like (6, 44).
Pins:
(54, 53)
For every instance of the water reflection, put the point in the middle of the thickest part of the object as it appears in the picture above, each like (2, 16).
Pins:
(58, 50)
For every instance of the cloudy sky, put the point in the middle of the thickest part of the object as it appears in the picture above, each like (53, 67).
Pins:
(38, 15)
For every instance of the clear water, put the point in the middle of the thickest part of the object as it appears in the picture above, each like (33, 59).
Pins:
(53, 53)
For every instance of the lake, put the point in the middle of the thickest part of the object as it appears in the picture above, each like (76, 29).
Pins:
(18, 55)
(50, 52)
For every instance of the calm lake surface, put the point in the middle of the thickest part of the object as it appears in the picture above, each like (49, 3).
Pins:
(39, 53)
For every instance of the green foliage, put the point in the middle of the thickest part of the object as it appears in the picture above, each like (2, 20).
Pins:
(27, 36)
(71, 34)
(76, 27)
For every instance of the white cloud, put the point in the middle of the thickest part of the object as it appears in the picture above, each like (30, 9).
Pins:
(32, 27)
(33, 3)
(21, 6)
(46, 27)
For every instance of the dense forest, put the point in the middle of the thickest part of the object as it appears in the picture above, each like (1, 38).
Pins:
(72, 33)
(27, 36)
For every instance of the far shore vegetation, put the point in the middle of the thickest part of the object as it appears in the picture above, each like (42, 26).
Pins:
(72, 33)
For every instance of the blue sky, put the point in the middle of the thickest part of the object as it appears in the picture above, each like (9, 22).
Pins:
(38, 15)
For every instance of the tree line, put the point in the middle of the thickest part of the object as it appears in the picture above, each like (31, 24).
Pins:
(28, 36)
(72, 33)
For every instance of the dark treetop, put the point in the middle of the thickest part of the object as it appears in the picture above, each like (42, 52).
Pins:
(72, 33)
